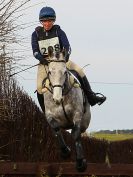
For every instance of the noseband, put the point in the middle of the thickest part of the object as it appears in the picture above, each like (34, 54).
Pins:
(57, 86)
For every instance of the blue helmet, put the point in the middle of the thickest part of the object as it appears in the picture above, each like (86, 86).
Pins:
(47, 13)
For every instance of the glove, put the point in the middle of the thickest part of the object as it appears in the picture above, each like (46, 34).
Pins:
(66, 54)
(44, 61)
(67, 57)
(41, 58)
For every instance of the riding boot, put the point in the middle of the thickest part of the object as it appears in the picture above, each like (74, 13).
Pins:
(41, 101)
(92, 97)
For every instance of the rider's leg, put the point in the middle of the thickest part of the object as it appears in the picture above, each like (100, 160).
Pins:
(41, 101)
(92, 97)
(41, 75)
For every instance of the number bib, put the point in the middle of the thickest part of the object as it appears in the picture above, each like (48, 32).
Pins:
(45, 43)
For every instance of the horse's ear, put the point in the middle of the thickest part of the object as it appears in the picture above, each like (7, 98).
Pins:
(64, 52)
(50, 51)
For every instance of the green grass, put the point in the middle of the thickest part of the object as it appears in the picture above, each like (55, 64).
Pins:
(112, 137)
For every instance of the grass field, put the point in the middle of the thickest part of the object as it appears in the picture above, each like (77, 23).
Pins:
(112, 137)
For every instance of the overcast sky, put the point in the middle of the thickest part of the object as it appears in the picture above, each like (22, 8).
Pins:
(101, 34)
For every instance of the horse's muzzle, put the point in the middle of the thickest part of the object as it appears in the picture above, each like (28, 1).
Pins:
(57, 94)
(58, 102)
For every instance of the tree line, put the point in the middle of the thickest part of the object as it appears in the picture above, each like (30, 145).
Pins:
(117, 131)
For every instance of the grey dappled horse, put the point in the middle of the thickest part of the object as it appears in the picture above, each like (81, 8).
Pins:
(64, 107)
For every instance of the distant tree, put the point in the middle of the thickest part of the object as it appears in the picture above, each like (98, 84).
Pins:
(8, 16)
(117, 131)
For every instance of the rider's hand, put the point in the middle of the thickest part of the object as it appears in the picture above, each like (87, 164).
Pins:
(44, 61)
(67, 57)
(40, 57)
(66, 54)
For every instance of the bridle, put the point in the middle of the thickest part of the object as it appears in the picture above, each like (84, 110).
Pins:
(65, 92)
(48, 76)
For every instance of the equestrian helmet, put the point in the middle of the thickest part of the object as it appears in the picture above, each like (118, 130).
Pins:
(47, 13)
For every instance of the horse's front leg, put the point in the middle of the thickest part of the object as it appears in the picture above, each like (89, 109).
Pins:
(65, 150)
(81, 163)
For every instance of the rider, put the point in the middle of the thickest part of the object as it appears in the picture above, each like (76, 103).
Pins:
(52, 35)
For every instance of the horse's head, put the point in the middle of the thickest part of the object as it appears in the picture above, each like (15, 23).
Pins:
(57, 73)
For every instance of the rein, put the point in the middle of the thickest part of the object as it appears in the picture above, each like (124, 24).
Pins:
(57, 86)
(70, 88)
(65, 111)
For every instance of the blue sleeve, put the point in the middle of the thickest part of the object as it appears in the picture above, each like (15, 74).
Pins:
(64, 41)
(35, 47)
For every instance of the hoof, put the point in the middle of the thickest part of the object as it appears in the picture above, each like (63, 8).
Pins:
(65, 152)
(81, 165)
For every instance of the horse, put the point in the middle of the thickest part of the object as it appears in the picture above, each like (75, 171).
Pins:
(64, 106)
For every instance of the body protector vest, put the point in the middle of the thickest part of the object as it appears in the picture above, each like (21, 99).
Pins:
(48, 38)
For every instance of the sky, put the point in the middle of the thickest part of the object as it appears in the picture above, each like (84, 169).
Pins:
(101, 34)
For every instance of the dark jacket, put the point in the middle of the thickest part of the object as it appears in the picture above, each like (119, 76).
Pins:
(40, 36)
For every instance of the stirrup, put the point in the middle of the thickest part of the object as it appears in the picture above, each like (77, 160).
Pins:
(103, 97)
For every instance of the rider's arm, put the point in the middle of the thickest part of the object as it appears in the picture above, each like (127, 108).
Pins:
(35, 47)
(64, 43)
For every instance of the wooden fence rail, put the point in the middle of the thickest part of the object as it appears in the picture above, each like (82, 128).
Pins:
(51, 169)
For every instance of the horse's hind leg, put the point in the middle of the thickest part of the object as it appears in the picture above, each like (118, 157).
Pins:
(81, 163)
(65, 150)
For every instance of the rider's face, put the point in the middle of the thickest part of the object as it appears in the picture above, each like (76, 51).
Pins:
(47, 24)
